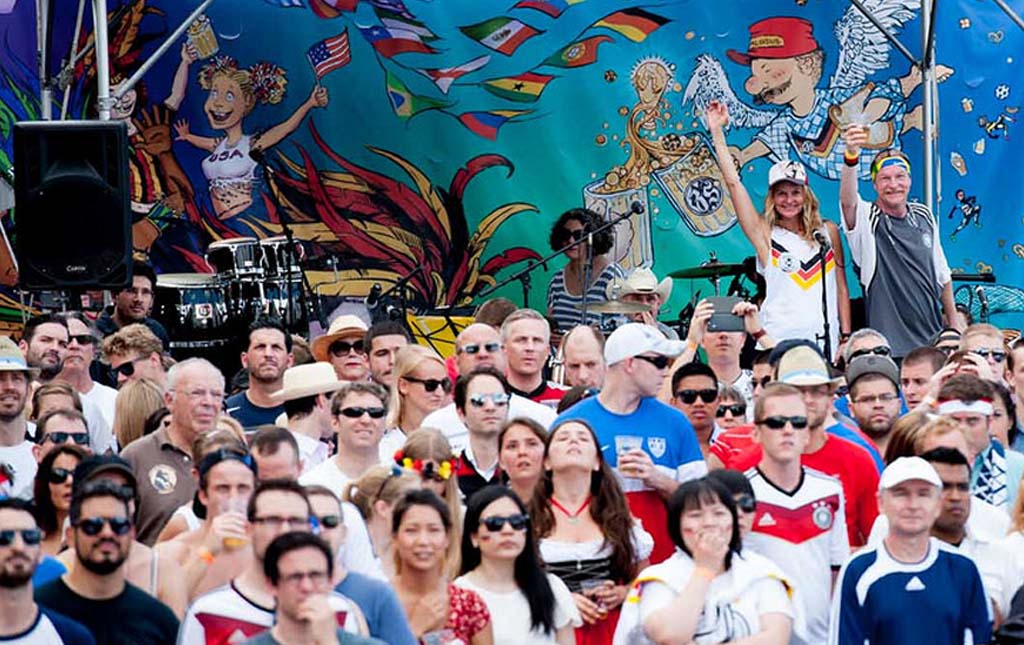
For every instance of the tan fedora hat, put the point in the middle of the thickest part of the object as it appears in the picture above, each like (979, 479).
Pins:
(344, 326)
(640, 281)
(307, 380)
(11, 358)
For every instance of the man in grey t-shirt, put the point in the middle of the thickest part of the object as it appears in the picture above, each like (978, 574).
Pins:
(896, 247)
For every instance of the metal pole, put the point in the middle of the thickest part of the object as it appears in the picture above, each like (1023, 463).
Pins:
(928, 106)
(72, 58)
(45, 89)
(885, 32)
(99, 20)
(1010, 12)
(161, 50)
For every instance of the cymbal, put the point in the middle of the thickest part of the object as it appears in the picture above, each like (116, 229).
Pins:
(615, 307)
(708, 270)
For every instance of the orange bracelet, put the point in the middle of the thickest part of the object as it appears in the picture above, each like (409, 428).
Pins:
(206, 555)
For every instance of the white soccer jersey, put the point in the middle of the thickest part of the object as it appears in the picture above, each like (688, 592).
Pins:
(804, 532)
(224, 616)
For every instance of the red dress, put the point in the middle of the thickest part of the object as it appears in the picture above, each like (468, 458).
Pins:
(467, 613)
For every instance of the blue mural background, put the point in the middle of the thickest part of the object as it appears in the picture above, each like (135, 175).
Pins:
(553, 138)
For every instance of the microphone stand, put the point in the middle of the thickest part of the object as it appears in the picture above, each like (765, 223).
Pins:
(523, 275)
(826, 335)
(291, 260)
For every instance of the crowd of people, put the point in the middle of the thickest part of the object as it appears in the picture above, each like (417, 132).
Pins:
(751, 483)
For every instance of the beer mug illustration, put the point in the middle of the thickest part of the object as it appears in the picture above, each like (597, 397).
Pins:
(632, 248)
(695, 188)
(202, 37)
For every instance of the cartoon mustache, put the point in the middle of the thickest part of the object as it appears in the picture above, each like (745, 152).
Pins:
(765, 96)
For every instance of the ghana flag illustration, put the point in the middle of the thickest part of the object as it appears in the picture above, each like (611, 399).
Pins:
(523, 88)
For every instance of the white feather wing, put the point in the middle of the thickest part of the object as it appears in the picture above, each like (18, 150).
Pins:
(863, 49)
(709, 83)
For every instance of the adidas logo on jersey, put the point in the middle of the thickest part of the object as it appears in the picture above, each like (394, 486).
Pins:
(766, 520)
(914, 584)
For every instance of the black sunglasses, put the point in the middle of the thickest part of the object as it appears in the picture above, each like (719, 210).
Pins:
(31, 537)
(93, 525)
(342, 347)
(778, 422)
(997, 355)
(690, 396)
(61, 436)
(329, 521)
(763, 381)
(745, 503)
(126, 369)
(475, 348)
(83, 339)
(737, 410)
(431, 384)
(495, 523)
(661, 362)
(355, 413)
(59, 475)
(881, 350)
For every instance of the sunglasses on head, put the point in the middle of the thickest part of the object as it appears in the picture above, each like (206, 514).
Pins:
(355, 412)
(59, 475)
(690, 396)
(342, 347)
(329, 521)
(475, 348)
(997, 354)
(93, 525)
(778, 422)
(661, 362)
(495, 523)
(61, 436)
(498, 398)
(431, 384)
(30, 537)
(881, 350)
(737, 410)
(745, 503)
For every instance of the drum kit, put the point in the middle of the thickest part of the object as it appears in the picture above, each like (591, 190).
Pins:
(210, 311)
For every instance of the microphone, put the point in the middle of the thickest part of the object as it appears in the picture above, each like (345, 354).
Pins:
(636, 208)
(983, 299)
(373, 298)
(822, 239)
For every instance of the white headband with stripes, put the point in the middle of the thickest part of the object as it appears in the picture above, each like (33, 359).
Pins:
(953, 406)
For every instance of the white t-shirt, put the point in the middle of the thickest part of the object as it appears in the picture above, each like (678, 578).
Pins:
(327, 474)
(357, 553)
(22, 462)
(510, 613)
(103, 397)
(447, 419)
(312, 453)
(390, 443)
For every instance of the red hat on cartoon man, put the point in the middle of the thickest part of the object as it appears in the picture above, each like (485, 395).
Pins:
(779, 37)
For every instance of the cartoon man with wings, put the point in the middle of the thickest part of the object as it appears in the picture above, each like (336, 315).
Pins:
(786, 65)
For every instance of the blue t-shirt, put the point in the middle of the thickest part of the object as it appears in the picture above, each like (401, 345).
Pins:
(241, 409)
(48, 570)
(881, 601)
(845, 432)
(384, 614)
(667, 435)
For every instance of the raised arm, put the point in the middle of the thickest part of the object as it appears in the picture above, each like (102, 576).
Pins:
(854, 136)
(184, 134)
(180, 82)
(754, 227)
(273, 136)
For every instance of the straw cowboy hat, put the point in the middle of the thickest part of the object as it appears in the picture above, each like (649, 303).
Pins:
(12, 360)
(306, 380)
(640, 281)
(345, 326)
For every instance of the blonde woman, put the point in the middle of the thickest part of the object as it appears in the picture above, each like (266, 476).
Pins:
(785, 240)
(375, 495)
(136, 400)
(421, 386)
(427, 451)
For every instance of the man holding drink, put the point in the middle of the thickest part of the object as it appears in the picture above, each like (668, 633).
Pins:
(903, 270)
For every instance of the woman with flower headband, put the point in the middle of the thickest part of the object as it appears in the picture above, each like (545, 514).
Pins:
(421, 386)
(427, 452)
(233, 94)
(375, 495)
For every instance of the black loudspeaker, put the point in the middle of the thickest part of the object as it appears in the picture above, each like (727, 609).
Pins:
(73, 219)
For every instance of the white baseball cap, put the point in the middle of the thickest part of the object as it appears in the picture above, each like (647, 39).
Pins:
(787, 170)
(633, 339)
(906, 469)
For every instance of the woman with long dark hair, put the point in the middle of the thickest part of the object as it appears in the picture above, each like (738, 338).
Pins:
(53, 493)
(585, 532)
(710, 591)
(521, 455)
(500, 563)
(438, 611)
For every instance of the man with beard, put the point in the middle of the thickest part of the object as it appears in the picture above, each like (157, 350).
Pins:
(22, 620)
(874, 396)
(133, 305)
(896, 245)
(16, 455)
(96, 593)
(267, 356)
(83, 340)
(45, 344)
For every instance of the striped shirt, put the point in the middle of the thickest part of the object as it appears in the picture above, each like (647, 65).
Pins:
(564, 307)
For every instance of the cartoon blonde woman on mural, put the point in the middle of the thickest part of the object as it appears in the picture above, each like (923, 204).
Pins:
(233, 93)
